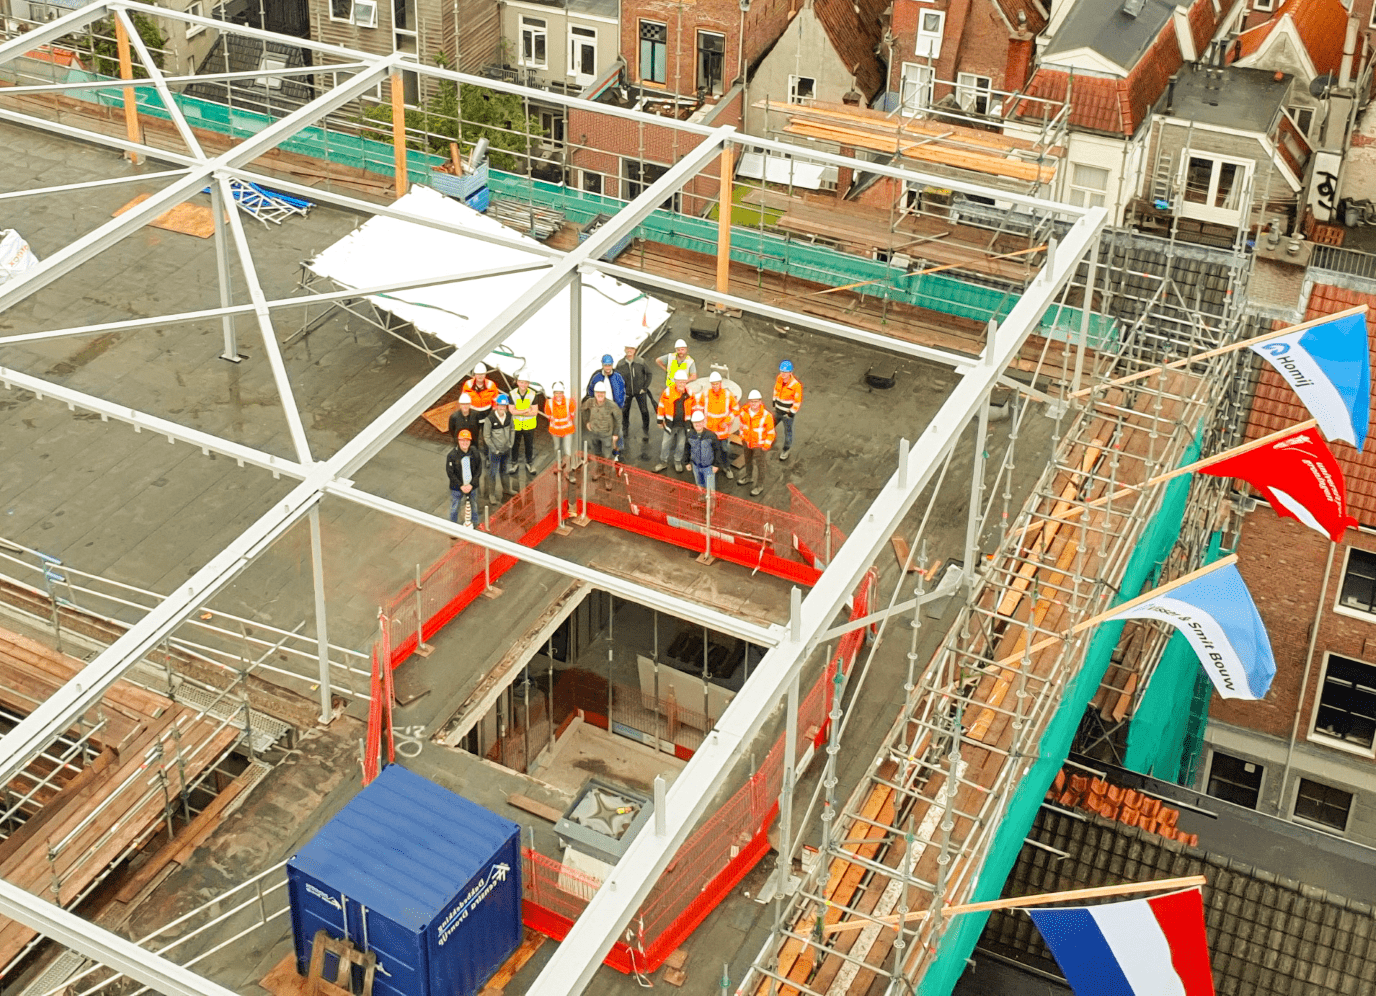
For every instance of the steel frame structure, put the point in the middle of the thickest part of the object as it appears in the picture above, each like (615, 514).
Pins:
(578, 957)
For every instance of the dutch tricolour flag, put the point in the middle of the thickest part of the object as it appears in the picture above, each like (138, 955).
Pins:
(1144, 947)
(1329, 367)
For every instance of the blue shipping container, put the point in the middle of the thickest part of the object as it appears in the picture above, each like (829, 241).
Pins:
(426, 879)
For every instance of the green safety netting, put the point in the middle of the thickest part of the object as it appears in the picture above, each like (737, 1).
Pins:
(1166, 737)
(1145, 564)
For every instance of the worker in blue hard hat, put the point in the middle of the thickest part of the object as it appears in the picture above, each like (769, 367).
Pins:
(616, 384)
(788, 399)
(500, 433)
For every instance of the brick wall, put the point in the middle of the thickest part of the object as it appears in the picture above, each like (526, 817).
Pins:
(763, 25)
(977, 40)
(1283, 565)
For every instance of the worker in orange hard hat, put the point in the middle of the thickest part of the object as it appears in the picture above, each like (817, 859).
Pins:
(464, 465)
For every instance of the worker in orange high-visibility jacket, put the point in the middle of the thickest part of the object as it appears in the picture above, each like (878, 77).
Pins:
(757, 433)
(675, 410)
(482, 390)
(788, 400)
(720, 407)
(559, 410)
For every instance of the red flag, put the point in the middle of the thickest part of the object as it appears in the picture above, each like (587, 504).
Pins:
(1299, 476)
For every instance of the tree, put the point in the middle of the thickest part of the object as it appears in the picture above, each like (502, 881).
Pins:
(105, 51)
(467, 114)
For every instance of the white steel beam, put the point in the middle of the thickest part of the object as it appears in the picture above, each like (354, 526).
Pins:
(150, 66)
(52, 31)
(270, 344)
(208, 443)
(29, 89)
(632, 591)
(73, 699)
(578, 956)
(66, 188)
(104, 946)
(276, 304)
(112, 231)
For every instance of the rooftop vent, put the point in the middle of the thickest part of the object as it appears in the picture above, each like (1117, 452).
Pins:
(1133, 7)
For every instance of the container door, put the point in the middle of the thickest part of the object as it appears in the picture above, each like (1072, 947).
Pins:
(399, 952)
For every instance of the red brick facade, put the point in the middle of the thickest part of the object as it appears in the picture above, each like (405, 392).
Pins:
(1283, 564)
(764, 23)
(980, 37)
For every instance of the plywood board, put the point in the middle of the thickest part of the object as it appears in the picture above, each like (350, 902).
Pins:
(186, 218)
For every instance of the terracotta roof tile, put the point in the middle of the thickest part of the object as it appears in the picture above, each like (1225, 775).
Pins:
(1275, 406)
(855, 28)
(1321, 25)
(1036, 21)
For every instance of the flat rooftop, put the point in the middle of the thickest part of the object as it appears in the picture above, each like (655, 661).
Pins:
(1232, 97)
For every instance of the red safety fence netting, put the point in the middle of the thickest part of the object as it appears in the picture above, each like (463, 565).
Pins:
(711, 862)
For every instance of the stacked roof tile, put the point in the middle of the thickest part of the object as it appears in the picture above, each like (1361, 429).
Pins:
(855, 28)
(1118, 803)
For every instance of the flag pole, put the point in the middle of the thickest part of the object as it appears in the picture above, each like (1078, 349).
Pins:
(1020, 902)
(1188, 468)
(1360, 309)
(1131, 603)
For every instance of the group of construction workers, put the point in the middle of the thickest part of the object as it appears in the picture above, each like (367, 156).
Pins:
(492, 428)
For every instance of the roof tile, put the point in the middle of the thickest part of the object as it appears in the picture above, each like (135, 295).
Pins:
(1320, 24)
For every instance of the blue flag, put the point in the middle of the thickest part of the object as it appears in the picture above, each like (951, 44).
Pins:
(1217, 615)
(1329, 367)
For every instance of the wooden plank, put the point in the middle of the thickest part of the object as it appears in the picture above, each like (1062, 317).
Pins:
(84, 784)
(534, 808)
(530, 944)
(186, 218)
(902, 552)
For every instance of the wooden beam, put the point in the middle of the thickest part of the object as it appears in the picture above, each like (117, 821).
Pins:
(399, 132)
(130, 95)
(1022, 902)
(724, 206)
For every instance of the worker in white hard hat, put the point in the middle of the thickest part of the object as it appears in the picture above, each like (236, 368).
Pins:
(675, 407)
(482, 390)
(636, 374)
(672, 363)
(757, 433)
(559, 412)
(602, 420)
(720, 407)
(466, 417)
(704, 451)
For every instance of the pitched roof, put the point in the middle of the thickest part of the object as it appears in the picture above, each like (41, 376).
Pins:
(1320, 24)
(855, 28)
(1267, 934)
(1275, 406)
(1109, 104)
(1036, 20)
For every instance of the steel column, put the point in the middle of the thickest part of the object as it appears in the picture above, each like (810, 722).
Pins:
(973, 525)
(218, 208)
(322, 639)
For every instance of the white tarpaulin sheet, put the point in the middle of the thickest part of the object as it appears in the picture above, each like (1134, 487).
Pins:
(15, 255)
(385, 250)
(784, 170)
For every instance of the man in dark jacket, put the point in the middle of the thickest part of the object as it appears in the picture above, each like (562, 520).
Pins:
(500, 432)
(602, 420)
(674, 407)
(636, 373)
(704, 452)
(465, 468)
(467, 417)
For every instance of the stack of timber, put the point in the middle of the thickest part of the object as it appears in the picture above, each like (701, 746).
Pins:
(113, 798)
(890, 831)
(528, 219)
(942, 142)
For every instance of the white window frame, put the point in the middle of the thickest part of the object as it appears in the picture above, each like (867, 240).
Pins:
(1088, 195)
(928, 43)
(1321, 827)
(365, 13)
(1207, 211)
(197, 9)
(1214, 754)
(922, 80)
(1373, 16)
(329, 8)
(969, 88)
(537, 27)
(271, 61)
(1338, 606)
(581, 36)
(1318, 736)
(793, 97)
(1264, 5)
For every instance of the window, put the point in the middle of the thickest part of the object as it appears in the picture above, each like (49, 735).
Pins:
(917, 84)
(1263, 4)
(552, 124)
(801, 89)
(930, 25)
(711, 61)
(1234, 780)
(972, 92)
(592, 181)
(198, 9)
(654, 52)
(637, 176)
(365, 13)
(341, 10)
(1087, 185)
(582, 54)
(1304, 116)
(533, 41)
(404, 15)
(1359, 582)
(1323, 804)
(1213, 187)
(1346, 710)
(1373, 16)
(271, 62)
